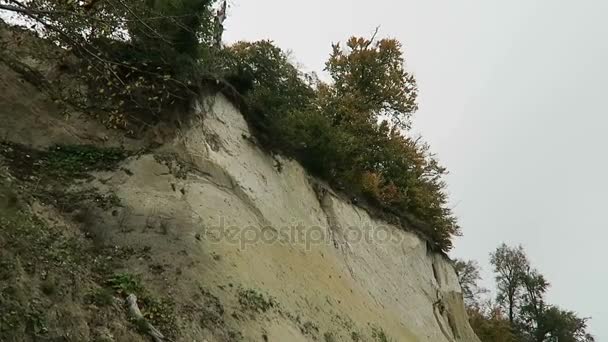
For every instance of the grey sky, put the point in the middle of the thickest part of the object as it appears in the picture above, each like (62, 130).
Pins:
(512, 99)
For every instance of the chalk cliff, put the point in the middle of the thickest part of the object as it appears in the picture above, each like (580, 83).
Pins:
(244, 245)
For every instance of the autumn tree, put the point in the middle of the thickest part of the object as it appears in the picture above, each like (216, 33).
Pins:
(371, 99)
(370, 83)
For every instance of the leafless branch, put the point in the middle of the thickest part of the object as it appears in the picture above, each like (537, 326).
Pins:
(371, 40)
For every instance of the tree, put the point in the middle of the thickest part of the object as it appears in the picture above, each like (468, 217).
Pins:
(370, 76)
(485, 316)
(510, 265)
(469, 275)
(533, 307)
(371, 100)
(542, 322)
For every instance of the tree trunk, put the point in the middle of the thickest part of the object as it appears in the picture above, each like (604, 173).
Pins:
(511, 308)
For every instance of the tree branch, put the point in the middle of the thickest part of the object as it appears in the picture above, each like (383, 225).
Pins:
(371, 40)
(26, 11)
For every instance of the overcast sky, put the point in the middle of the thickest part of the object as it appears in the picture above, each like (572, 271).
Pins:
(512, 99)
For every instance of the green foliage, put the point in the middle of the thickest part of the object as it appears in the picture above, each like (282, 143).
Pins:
(160, 313)
(255, 302)
(125, 284)
(351, 131)
(48, 287)
(46, 174)
(370, 78)
(101, 297)
(74, 161)
(60, 162)
(272, 86)
(27, 243)
(565, 326)
(510, 265)
(180, 27)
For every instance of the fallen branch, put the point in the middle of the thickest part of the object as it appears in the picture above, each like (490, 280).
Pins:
(136, 314)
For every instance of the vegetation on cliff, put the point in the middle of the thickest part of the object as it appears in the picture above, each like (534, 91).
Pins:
(142, 59)
(352, 131)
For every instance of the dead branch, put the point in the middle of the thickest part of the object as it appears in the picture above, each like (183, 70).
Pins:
(136, 314)
(371, 40)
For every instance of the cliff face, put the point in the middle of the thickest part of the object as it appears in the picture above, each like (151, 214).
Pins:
(278, 230)
(245, 245)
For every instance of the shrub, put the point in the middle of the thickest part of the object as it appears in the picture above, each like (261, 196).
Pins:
(125, 284)
(254, 301)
